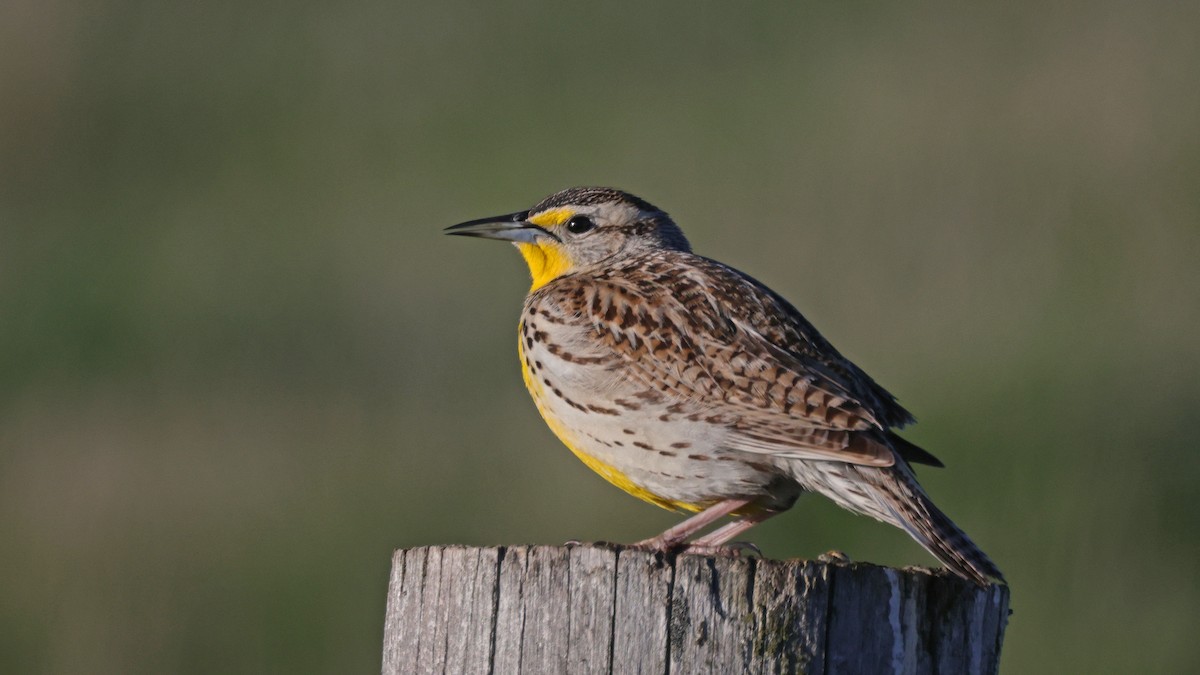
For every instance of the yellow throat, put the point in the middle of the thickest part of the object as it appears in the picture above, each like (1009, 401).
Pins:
(546, 259)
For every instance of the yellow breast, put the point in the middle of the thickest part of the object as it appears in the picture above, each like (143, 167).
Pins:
(609, 472)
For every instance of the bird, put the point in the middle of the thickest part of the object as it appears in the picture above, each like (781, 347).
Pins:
(695, 387)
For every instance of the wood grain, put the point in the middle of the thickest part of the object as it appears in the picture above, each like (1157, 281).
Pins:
(604, 609)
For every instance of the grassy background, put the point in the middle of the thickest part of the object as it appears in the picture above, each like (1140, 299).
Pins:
(239, 363)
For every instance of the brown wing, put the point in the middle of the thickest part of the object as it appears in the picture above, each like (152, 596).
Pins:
(686, 335)
(781, 324)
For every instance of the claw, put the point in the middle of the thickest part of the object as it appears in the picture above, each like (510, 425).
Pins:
(834, 556)
(747, 546)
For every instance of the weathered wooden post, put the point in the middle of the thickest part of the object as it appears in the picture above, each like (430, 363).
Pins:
(599, 609)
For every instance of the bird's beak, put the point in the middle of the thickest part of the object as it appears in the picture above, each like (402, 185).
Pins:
(513, 227)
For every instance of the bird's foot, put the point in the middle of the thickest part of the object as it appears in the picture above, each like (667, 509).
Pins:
(658, 544)
(735, 549)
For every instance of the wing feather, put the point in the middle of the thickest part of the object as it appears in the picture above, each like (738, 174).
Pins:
(693, 335)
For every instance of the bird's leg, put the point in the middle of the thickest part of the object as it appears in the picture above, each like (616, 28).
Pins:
(680, 533)
(718, 537)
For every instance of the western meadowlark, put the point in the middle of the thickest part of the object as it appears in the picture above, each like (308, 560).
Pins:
(694, 387)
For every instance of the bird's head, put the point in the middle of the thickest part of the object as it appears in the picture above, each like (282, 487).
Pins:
(579, 228)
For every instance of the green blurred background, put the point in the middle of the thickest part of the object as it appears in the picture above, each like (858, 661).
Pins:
(239, 363)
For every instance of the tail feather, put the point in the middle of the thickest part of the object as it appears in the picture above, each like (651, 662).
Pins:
(892, 495)
(934, 530)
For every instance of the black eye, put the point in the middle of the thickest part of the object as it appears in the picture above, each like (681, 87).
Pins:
(579, 224)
